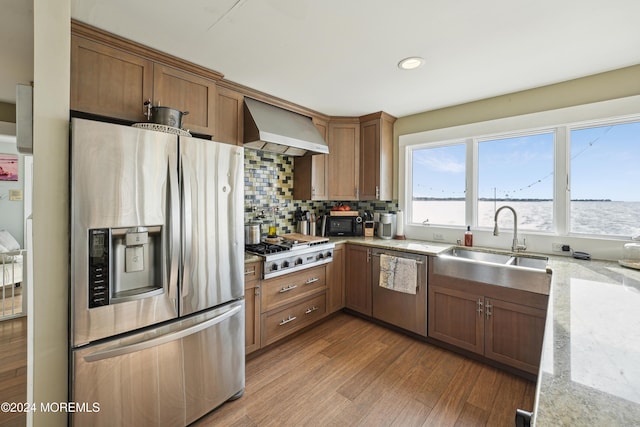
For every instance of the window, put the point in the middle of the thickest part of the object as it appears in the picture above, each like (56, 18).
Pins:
(517, 171)
(572, 179)
(438, 177)
(605, 180)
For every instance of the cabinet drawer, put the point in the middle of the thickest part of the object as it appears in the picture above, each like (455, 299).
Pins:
(278, 324)
(251, 273)
(283, 290)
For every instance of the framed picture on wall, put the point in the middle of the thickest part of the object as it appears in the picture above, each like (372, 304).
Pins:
(8, 167)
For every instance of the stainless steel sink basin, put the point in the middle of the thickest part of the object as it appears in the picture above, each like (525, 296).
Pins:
(479, 255)
(525, 272)
(529, 261)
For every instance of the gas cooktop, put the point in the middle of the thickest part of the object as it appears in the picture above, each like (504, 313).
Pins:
(292, 253)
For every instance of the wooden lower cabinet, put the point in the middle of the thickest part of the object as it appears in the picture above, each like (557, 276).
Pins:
(453, 318)
(509, 332)
(277, 324)
(335, 280)
(513, 334)
(252, 307)
(357, 286)
(291, 302)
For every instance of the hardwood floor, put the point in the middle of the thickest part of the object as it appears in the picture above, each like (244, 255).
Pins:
(350, 372)
(13, 368)
(344, 372)
(10, 301)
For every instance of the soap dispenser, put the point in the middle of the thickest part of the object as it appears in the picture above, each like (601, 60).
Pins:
(468, 237)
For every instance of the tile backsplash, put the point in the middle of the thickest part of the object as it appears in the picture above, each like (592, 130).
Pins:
(268, 191)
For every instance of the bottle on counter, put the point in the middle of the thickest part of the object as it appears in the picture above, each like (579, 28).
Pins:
(468, 237)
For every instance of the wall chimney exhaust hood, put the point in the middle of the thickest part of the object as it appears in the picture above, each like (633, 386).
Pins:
(273, 129)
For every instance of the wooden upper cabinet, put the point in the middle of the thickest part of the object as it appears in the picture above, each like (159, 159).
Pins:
(186, 92)
(229, 116)
(109, 82)
(344, 160)
(376, 156)
(311, 176)
(113, 77)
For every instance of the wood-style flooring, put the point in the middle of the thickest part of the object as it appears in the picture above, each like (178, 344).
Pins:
(351, 372)
(10, 301)
(344, 372)
(13, 368)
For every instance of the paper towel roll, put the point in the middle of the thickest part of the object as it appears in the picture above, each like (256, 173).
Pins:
(400, 223)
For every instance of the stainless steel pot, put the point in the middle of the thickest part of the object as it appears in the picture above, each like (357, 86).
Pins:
(164, 115)
(252, 232)
(167, 116)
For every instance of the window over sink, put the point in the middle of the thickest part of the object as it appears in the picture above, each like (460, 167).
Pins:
(574, 179)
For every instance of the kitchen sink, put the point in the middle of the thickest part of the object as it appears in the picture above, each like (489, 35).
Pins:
(521, 271)
(536, 262)
(497, 258)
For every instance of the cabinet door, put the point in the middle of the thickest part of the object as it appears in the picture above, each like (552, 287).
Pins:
(229, 116)
(376, 158)
(456, 317)
(320, 167)
(186, 92)
(335, 276)
(311, 176)
(358, 279)
(513, 334)
(109, 82)
(286, 289)
(370, 160)
(252, 307)
(276, 324)
(344, 160)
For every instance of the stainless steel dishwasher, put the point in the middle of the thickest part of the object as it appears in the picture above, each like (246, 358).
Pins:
(404, 310)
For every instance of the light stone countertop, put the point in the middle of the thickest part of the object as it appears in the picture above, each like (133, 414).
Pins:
(590, 367)
(412, 246)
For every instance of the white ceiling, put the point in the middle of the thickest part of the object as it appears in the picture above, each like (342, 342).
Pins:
(339, 57)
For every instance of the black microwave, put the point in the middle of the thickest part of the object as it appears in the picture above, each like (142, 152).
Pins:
(343, 226)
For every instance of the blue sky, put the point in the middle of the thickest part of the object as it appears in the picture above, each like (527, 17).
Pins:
(609, 168)
(605, 165)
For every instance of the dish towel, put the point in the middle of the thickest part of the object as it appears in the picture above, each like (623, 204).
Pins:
(398, 274)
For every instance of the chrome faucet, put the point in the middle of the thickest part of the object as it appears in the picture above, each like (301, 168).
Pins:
(515, 246)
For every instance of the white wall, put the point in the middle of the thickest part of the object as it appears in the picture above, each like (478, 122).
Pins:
(47, 373)
(12, 212)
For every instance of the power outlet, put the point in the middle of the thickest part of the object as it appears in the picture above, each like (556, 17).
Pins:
(440, 237)
(557, 247)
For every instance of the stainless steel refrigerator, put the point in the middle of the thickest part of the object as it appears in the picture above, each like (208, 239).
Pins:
(157, 255)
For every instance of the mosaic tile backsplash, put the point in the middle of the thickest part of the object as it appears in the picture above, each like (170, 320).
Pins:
(268, 192)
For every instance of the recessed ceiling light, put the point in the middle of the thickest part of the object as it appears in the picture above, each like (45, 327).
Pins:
(411, 63)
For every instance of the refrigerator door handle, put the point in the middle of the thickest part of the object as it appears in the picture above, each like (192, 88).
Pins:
(187, 230)
(172, 336)
(174, 239)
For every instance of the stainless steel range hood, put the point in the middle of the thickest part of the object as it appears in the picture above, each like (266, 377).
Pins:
(276, 130)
